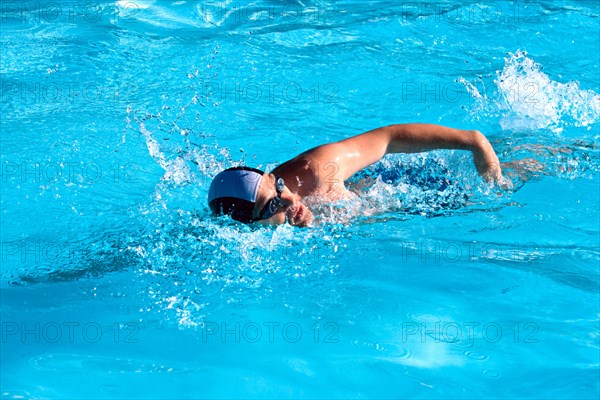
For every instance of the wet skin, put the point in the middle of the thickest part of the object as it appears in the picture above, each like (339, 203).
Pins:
(320, 172)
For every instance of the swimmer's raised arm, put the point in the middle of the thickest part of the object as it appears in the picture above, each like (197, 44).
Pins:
(355, 153)
(252, 195)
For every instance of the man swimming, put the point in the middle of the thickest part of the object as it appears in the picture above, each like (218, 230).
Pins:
(251, 195)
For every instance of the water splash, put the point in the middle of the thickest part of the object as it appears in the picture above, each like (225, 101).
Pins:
(196, 264)
(193, 263)
(424, 184)
(525, 98)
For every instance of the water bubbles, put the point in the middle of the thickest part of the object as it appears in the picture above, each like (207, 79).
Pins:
(52, 70)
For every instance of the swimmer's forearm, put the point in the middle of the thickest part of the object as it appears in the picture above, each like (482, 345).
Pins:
(416, 138)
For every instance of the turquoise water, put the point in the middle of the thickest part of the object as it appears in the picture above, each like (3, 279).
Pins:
(116, 282)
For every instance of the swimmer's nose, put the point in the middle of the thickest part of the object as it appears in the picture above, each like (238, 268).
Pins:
(287, 201)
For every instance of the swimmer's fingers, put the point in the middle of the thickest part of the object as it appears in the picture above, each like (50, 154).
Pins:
(505, 184)
(498, 179)
(492, 174)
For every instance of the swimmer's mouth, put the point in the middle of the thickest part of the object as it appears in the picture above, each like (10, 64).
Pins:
(298, 215)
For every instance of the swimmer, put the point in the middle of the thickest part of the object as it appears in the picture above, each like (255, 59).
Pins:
(250, 195)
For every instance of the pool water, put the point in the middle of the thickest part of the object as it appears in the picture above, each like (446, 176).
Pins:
(117, 283)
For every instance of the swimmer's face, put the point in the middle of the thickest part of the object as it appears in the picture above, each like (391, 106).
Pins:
(291, 210)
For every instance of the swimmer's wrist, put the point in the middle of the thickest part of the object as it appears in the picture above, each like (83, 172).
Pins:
(481, 147)
(484, 156)
(478, 143)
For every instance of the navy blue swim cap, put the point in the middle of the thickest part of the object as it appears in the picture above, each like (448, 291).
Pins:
(234, 192)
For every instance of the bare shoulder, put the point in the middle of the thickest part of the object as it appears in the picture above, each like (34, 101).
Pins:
(322, 170)
(300, 175)
(308, 174)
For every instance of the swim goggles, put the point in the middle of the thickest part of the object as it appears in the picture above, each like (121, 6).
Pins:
(275, 203)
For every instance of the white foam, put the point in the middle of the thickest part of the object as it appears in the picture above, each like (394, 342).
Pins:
(525, 98)
(536, 101)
